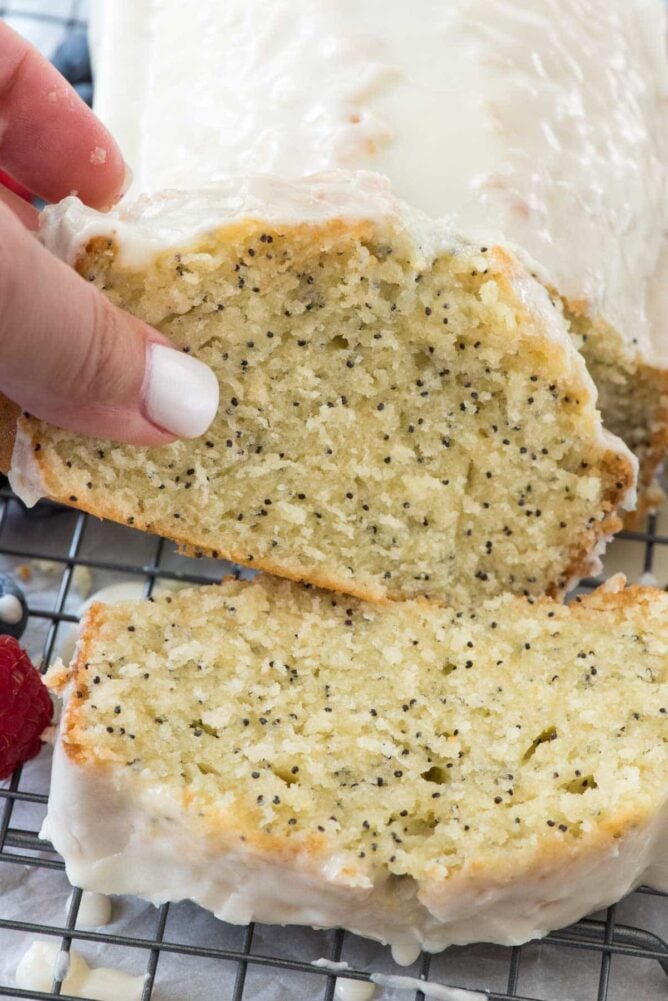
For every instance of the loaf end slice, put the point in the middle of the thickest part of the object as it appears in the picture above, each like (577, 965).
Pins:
(633, 398)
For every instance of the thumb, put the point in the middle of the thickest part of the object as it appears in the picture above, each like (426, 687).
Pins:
(68, 356)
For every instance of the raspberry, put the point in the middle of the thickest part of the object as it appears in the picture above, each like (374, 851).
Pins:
(25, 707)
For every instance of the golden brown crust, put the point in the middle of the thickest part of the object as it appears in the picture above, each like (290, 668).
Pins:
(71, 724)
(56, 677)
(650, 493)
(581, 563)
(9, 417)
(603, 598)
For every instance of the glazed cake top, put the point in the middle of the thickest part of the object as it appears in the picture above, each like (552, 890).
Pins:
(541, 123)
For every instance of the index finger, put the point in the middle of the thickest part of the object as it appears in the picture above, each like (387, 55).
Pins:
(50, 140)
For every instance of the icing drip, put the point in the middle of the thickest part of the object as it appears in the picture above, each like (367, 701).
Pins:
(353, 990)
(94, 910)
(405, 953)
(44, 960)
(437, 991)
(330, 964)
(347, 989)
(24, 475)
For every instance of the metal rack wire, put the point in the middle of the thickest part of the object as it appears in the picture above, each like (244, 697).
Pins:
(608, 942)
(607, 939)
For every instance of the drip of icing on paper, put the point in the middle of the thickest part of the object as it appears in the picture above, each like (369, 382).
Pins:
(94, 910)
(405, 953)
(439, 992)
(44, 960)
(353, 990)
(330, 964)
(347, 989)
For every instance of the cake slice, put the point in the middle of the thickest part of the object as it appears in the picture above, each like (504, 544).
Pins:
(541, 123)
(418, 775)
(402, 413)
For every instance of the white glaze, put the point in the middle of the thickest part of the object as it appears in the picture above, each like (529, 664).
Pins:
(174, 218)
(347, 989)
(94, 910)
(24, 476)
(11, 609)
(330, 964)
(430, 990)
(359, 990)
(62, 965)
(43, 960)
(541, 123)
(614, 584)
(353, 990)
(406, 952)
(118, 836)
(127, 590)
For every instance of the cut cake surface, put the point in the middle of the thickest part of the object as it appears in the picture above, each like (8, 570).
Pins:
(413, 773)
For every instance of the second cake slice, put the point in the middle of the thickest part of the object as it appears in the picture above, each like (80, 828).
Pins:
(416, 774)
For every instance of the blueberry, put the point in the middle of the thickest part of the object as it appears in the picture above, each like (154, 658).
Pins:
(72, 58)
(13, 607)
(85, 92)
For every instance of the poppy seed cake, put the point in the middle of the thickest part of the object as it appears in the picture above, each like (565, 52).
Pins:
(541, 124)
(402, 413)
(413, 773)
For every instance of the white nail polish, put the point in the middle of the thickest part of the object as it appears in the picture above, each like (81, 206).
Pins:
(181, 393)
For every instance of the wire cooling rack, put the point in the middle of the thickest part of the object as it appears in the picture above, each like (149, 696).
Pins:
(56, 541)
(621, 955)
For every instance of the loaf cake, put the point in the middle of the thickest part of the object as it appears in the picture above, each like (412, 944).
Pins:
(406, 771)
(540, 123)
(401, 413)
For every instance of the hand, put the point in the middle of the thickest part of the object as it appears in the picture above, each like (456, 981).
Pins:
(67, 355)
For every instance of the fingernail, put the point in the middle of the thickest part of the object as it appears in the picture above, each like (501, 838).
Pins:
(181, 393)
